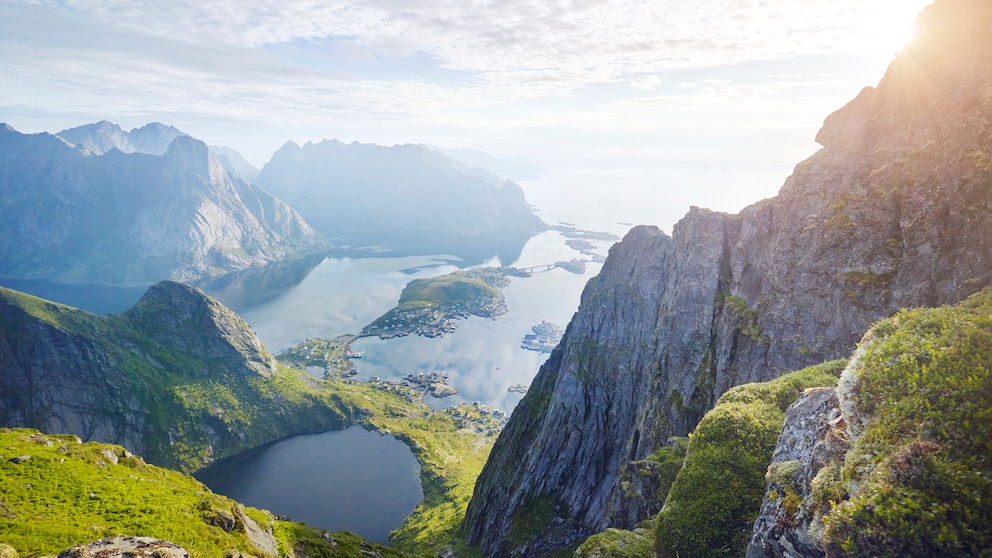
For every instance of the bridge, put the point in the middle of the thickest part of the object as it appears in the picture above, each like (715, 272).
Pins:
(538, 268)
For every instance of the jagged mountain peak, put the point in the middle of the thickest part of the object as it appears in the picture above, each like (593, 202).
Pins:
(890, 213)
(178, 216)
(169, 311)
(100, 137)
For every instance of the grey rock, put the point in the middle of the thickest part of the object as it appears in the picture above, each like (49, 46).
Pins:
(813, 435)
(126, 547)
(893, 212)
(260, 538)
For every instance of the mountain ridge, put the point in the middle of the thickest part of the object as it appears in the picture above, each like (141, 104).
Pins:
(891, 212)
(408, 196)
(135, 218)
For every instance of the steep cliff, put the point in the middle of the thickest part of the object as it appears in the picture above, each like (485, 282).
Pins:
(74, 215)
(179, 378)
(893, 212)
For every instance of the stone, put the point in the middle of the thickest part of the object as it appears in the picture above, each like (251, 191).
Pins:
(814, 433)
(126, 547)
(891, 213)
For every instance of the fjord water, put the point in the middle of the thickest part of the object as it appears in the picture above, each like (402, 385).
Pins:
(482, 358)
(357, 480)
(350, 480)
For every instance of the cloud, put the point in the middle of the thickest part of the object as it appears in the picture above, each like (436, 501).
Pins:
(405, 64)
(646, 83)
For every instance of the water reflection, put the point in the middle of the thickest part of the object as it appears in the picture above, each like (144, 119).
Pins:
(92, 297)
(350, 480)
(483, 357)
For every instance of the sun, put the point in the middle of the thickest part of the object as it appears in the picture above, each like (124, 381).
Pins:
(894, 26)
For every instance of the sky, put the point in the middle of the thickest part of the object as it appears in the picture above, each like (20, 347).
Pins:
(726, 93)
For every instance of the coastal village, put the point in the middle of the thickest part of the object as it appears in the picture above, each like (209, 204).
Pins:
(335, 357)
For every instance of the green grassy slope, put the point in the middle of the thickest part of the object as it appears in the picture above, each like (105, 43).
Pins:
(58, 492)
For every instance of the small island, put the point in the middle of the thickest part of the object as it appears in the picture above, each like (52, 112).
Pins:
(429, 307)
(545, 338)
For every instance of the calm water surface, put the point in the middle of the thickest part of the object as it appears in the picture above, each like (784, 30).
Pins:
(482, 358)
(350, 480)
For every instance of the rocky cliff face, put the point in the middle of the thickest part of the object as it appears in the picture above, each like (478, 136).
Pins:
(110, 378)
(73, 215)
(813, 435)
(894, 211)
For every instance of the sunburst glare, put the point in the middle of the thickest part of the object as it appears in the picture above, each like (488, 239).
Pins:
(894, 26)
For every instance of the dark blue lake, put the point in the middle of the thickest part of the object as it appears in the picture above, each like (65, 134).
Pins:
(349, 480)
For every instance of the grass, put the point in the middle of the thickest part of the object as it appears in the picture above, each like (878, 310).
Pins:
(68, 493)
(199, 410)
(918, 478)
(717, 494)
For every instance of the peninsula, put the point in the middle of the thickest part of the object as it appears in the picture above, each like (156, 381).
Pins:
(429, 307)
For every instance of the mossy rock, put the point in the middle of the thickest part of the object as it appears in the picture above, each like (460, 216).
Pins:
(617, 543)
(717, 495)
(919, 472)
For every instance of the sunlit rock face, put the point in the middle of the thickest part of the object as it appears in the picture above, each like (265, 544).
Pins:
(73, 215)
(894, 211)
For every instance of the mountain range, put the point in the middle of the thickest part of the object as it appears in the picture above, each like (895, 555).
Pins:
(97, 204)
(892, 212)
(410, 197)
(74, 215)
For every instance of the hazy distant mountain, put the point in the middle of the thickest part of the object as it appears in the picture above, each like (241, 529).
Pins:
(408, 195)
(511, 170)
(103, 136)
(234, 163)
(73, 215)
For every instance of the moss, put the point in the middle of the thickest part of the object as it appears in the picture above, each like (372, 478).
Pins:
(669, 460)
(72, 493)
(717, 494)
(533, 519)
(747, 318)
(616, 543)
(304, 540)
(919, 474)
(791, 501)
(782, 474)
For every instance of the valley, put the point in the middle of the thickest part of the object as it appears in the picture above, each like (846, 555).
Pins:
(353, 350)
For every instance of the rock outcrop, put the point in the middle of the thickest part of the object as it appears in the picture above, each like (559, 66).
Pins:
(894, 211)
(75, 215)
(895, 460)
(126, 547)
(814, 434)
